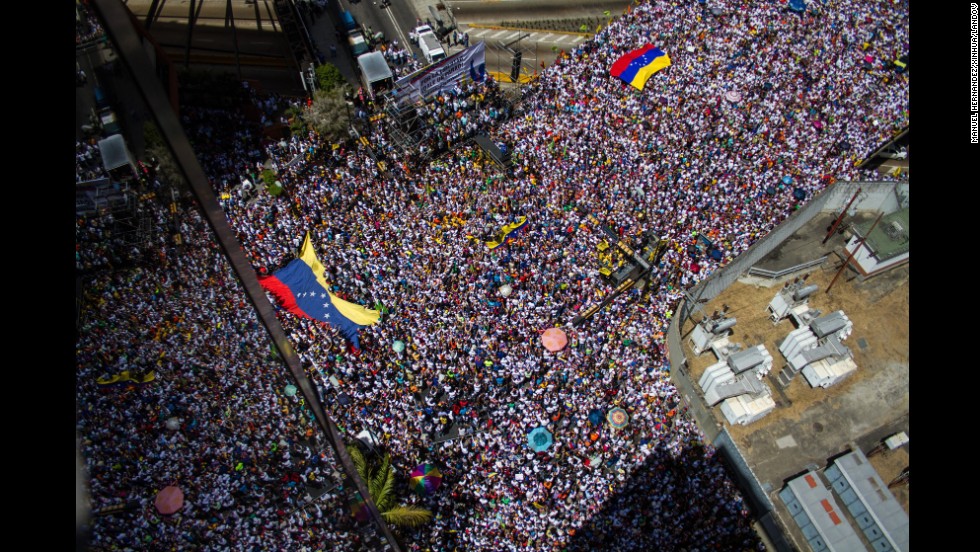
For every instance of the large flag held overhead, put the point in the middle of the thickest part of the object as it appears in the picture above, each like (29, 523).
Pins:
(636, 67)
(127, 376)
(506, 231)
(302, 290)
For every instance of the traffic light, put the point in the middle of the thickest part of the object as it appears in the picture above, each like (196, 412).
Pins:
(515, 70)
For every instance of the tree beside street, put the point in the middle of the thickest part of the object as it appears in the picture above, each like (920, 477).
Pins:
(328, 77)
(328, 115)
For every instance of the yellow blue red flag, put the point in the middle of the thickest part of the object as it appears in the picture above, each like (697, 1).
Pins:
(506, 231)
(127, 377)
(301, 289)
(636, 67)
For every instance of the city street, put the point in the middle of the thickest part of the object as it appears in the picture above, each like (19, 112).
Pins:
(480, 19)
(247, 35)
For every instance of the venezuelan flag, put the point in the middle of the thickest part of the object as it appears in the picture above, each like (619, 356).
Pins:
(302, 290)
(636, 67)
(506, 231)
(126, 377)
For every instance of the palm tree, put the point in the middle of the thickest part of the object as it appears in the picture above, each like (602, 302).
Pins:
(380, 480)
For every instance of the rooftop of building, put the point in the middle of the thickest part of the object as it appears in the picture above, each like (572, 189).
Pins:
(810, 426)
(890, 237)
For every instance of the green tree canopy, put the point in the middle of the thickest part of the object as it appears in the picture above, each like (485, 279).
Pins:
(328, 115)
(328, 77)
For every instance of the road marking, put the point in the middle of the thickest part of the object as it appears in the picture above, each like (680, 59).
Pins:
(511, 36)
(398, 29)
(480, 33)
(497, 34)
(579, 39)
(561, 38)
(544, 38)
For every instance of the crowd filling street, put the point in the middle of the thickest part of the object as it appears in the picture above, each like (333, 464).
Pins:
(761, 109)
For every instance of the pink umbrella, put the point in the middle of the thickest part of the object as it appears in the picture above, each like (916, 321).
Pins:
(169, 500)
(554, 339)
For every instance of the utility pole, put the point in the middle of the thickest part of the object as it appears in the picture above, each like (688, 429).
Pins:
(840, 217)
(857, 245)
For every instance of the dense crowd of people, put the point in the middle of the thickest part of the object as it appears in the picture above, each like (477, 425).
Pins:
(683, 158)
(88, 28)
(88, 162)
(213, 419)
(203, 404)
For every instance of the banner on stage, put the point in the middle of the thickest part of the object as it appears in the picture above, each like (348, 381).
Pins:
(469, 64)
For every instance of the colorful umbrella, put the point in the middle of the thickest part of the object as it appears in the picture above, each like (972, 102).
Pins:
(398, 345)
(505, 290)
(426, 478)
(290, 390)
(554, 339)
(539, 439)
(169, 500)
(618, 418)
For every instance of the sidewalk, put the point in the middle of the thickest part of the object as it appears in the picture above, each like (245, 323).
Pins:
(324, 32)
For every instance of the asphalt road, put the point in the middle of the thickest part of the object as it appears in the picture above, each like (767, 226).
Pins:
(401, 17)
(248, 37)
(124, 99)
(396, 21)
(494, 11)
